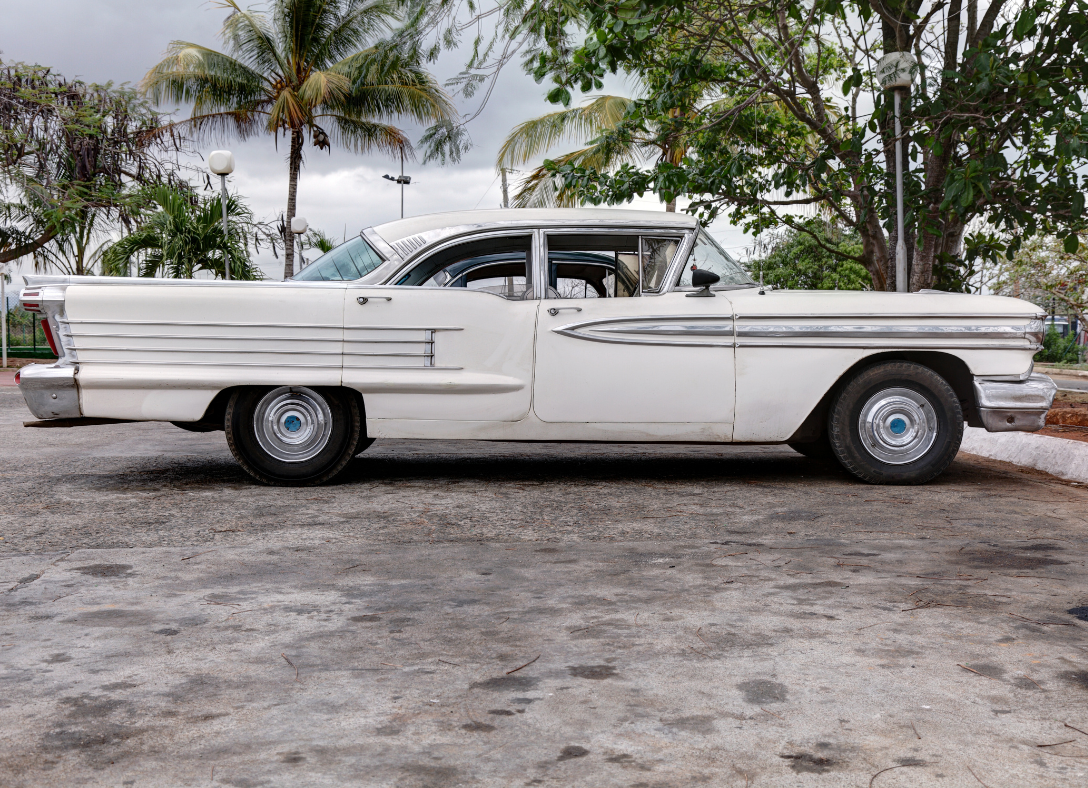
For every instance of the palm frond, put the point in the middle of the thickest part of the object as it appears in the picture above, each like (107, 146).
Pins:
(367, 136)
(250, 37)
(534, 137)
(323, 86)
(203, 77)
(361, 21)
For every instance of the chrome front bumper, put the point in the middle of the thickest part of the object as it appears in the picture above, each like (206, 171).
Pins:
(1006, 406)
(50, 391)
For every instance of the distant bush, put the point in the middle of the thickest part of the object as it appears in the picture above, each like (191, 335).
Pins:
(1057, 350)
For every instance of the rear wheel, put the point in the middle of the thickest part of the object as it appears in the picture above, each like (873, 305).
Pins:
(293, 435)
(896, 423)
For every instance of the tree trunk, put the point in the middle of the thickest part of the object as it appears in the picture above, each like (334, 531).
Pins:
(15, 252)
(294, 164)
(670, 206)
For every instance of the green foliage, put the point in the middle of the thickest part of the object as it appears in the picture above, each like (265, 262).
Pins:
(181, 234)
(764, 97)
(1059, 350)
(69, 153)
(813, 258)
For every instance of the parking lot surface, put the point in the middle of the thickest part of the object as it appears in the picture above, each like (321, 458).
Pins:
(500, 614)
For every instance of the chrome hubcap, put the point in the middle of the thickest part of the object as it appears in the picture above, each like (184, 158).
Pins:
(897, 426)
(293, 424)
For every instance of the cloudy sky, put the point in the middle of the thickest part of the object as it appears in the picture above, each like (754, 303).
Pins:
(119, 40)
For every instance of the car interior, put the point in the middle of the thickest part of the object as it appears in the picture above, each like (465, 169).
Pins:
(590, 265)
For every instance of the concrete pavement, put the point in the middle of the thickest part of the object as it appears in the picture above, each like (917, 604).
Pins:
(497, 614)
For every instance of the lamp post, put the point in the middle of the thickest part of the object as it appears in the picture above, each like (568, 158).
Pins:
(896, 71)
(402, 179)
(221, 162)
(299, 225)
(4, 311)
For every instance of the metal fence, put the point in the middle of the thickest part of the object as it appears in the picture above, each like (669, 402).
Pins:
(26, 334)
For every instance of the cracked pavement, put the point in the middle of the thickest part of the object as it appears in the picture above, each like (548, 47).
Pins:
(499, 614)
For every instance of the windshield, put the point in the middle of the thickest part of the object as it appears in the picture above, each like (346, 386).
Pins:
(352, 260)
(711, 257)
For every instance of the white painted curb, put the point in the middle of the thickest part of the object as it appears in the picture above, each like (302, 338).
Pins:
(1066, 459)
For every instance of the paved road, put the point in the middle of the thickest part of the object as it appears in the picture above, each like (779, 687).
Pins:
(1072, 384)
(497, 614)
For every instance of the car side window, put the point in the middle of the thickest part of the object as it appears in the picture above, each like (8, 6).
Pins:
(607, 265)
(707, 255)
(500, 265)
(352, 260)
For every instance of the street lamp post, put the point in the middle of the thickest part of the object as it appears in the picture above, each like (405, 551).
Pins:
(896, 71)
(4, 311)
(221, 162)
(299, 226)
(402, 179)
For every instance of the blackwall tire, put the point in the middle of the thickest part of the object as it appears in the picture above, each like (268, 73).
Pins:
(293, 435)
(896, 423)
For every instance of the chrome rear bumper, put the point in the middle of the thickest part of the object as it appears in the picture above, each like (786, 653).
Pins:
(50, 391)
(1006, 406)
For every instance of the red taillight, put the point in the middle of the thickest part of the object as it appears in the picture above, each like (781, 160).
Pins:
(31, 306)
(49, 338)
(17, 374)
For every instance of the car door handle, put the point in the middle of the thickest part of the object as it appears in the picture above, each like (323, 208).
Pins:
(555, 310)
(364, 299)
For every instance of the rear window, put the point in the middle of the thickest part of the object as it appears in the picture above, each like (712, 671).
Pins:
(352, 260)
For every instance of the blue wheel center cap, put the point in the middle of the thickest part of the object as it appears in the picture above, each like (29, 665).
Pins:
(294, 424)
(898, 426)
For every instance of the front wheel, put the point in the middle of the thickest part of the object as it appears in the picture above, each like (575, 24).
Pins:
(293, 435)
(896, 423)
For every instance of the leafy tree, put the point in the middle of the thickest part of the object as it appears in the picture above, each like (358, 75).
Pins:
(1042, 272)
(69, 153)
(778, 108)
(310, 68)
(73, 250)
(182, 234)
(817, 258)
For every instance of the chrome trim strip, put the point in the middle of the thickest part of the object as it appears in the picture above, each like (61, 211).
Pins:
(398, 328)
(667, 330)
(658, 326)
(931, 345)
(200, 323)
(205, 363)
(247, 350)
(889, 315)
(395, 366)
(883, 332)
(262, 337)
(429, 355)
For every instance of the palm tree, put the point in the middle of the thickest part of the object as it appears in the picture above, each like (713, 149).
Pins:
(316, 68)
(183, 236)
(72, 250)
(592, 121)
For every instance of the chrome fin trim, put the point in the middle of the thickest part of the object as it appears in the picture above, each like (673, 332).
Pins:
(676, 330)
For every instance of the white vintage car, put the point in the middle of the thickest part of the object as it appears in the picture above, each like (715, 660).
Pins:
(537, 325)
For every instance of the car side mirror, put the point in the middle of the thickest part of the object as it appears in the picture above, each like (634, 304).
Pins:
(704, 279)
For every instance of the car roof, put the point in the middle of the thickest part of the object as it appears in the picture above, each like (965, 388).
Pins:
(400, 229)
